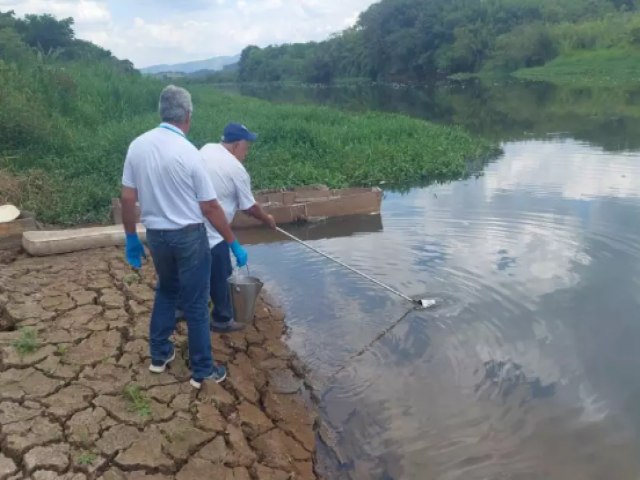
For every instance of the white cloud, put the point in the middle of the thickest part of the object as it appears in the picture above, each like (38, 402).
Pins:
(85, 12)
(508, 240)
(584, 171)
(150, 32)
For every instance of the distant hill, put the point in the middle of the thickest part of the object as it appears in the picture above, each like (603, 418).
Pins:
(211, 64)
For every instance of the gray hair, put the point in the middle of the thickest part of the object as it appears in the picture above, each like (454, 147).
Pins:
(175, 104)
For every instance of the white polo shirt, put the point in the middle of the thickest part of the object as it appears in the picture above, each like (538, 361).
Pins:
(168, 172)
(231, 182)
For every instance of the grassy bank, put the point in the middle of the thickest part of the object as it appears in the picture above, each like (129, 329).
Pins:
(298, 145)
(68, 115)
(609, 67)
(592, 53)
(301, 145)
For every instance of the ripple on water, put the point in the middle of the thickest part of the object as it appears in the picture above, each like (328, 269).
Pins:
(512, 375)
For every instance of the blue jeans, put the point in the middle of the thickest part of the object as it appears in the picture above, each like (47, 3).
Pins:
(221, 270)
(183, 264)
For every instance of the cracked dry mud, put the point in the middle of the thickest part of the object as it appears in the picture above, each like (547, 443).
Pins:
(80, 404)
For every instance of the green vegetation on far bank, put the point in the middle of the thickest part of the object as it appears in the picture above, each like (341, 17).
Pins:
(68, 114)
(613, 67)
(602, 51)
(414, 41)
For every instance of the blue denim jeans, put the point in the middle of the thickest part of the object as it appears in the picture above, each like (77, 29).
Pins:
(221, 270)
(183, 264)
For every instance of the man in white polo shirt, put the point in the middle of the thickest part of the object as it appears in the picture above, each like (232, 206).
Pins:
(223, 163)
(164, 172)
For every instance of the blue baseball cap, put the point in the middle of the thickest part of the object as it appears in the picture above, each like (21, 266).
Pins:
(234, 132)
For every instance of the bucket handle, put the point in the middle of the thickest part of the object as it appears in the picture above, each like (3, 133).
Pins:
(249, 274)
(247, 267)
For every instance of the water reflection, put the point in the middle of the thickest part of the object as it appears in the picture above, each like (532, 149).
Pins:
(327, 228)
(508, 111)
(528, 367)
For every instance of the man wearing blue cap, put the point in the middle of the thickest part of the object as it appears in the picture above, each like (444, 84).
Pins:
(223, 163)
(164, 173)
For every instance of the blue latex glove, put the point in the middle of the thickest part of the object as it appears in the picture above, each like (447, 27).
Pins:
(240, 253)
(134, 251)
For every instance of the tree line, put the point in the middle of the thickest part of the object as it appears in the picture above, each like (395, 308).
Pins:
(21, 39)
(417, 40)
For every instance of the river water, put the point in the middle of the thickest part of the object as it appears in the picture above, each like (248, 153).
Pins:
(528, 368)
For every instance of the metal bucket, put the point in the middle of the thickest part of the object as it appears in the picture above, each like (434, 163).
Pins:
(244, 296)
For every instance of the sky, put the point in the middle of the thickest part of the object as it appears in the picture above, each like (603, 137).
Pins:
(150, 32)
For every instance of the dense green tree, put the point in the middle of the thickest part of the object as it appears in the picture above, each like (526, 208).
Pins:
(526, 46)
(12, 46)
(45, 32)
(413, 40)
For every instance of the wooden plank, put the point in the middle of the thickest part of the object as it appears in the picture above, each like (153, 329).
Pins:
(308, 195)
(55, 242)
(41, 243)
(311, 188)
(300, 204)
(272, 198)
(343, 206)
(288, 198)
(282, 215)
(347, 192)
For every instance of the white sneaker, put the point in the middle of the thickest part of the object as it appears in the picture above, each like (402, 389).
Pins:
(218, 375)
(160, 367)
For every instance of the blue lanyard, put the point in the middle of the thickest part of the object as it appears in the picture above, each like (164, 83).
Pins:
(172, 129)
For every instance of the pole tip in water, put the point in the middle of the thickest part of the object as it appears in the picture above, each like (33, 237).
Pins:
(423, 303)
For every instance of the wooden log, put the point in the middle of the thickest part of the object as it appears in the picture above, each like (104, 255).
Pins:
(54, 242)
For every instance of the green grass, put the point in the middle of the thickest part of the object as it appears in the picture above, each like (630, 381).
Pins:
(137, 401)
(304, 145)
(87, 458)
(611, 67)
(131, 278)
(27, 342)
(69, 127)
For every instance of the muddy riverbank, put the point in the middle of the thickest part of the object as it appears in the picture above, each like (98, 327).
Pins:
(78, 402)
